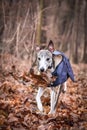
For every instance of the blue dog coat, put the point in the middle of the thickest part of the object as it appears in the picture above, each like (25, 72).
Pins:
(63, 70)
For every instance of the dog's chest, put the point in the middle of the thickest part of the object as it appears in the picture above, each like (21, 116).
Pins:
(57, 60)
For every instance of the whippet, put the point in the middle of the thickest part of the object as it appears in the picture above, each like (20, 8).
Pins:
(46, 62)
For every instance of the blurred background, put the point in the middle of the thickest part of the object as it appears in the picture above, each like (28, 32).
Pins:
(24, 24)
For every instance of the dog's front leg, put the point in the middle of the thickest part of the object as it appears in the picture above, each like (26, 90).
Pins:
(38, 99)
(53, 99)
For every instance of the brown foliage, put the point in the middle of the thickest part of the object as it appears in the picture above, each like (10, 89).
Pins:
(39, 80)
(18, 109)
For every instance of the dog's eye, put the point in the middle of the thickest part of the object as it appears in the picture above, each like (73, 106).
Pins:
(48, 59)
(38, 58)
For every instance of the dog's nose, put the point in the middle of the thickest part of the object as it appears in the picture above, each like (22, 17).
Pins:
(42, 69)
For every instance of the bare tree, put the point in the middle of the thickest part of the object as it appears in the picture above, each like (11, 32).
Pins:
(75, 32)
(85, 42)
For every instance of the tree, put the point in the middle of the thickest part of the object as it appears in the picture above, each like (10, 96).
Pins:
(85, 42)
(76, 32)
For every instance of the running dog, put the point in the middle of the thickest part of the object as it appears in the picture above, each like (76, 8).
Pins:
(53, 63)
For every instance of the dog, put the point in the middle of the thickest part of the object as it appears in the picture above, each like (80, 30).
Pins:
(47, 62)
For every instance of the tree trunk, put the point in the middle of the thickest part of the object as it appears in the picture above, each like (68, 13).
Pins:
(85, 42)
(75, 35)
(39, 24)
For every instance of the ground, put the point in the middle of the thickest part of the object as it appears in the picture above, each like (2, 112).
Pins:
(18, 110)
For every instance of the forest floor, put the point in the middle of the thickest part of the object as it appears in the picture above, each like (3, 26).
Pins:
(18, 109)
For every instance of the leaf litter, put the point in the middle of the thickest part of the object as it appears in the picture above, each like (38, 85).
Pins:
(18, 109)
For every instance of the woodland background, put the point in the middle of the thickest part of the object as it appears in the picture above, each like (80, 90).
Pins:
(24, 25)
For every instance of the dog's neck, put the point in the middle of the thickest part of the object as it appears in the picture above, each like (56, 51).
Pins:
(57, 60)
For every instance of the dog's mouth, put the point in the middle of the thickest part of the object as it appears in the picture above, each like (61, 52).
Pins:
(50, 67)
(44, 70)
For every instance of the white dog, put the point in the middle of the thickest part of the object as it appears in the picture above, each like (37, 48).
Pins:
(46, 62)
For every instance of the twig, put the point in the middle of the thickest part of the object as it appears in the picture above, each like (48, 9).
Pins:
(17, 39)
(3, 12)
(26, 48)
(24, 22)
(22, 40)
(10, 39)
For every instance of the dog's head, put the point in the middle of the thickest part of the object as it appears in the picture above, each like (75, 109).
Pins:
(45, 58)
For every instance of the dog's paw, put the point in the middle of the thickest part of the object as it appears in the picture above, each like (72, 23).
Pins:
(51, 112)
(64, 89)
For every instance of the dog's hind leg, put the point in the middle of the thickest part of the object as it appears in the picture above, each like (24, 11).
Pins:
(57, 96)
(65, 87)
(38, 99)
(54, 99)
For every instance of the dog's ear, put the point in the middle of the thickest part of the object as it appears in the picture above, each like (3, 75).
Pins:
(41, 47)
(37, 48)
(50, 46)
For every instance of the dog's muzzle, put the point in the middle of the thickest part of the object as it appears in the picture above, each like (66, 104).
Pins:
(42, 69)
